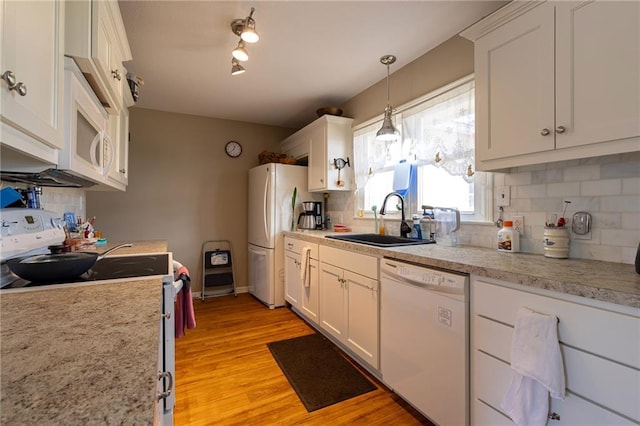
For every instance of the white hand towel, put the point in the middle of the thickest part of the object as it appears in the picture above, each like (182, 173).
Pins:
(537, 366)
(305, 254)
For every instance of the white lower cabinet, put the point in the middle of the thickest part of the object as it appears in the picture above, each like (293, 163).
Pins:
(301, 293)
(349, 301)
(600, 345)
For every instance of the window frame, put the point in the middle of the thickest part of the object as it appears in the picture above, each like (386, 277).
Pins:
(483, 183)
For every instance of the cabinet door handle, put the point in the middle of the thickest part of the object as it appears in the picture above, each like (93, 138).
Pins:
(116, 74)
(545, 132)
(123, 171)
(19, 87)
(554, 416)
(166, 315)
(560, 129)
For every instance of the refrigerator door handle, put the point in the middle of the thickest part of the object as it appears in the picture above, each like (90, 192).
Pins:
(266, 211)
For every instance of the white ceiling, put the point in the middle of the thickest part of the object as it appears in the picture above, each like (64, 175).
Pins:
(310, 54)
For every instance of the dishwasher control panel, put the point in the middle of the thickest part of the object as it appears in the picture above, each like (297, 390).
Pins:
(421, 275)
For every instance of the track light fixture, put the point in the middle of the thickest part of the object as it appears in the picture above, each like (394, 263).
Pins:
(246, 30)
(388, 131)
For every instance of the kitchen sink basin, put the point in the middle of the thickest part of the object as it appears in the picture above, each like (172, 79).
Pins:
(379, 240)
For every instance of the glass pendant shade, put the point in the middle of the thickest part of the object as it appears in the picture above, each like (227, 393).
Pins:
(240, 53)
(388, 131)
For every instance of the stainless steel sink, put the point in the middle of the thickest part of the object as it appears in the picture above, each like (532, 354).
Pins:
(379, 240)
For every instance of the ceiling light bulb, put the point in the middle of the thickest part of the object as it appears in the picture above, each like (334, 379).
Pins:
(240, 53)
(249, 33)
(236, 68)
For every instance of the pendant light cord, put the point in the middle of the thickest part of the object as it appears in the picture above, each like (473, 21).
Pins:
(387, 85)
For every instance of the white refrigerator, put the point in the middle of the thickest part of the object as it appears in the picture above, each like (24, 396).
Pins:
(270, 213)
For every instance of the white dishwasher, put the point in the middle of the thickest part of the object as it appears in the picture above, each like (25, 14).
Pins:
(424, 341)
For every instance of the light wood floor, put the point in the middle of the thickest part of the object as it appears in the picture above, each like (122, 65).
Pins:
(225, 374)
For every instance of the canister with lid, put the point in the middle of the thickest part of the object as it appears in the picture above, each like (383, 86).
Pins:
(508, 238)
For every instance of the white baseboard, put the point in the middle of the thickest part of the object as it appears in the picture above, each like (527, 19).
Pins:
(197, 295)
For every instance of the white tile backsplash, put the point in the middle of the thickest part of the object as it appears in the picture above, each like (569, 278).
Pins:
(581, 173)
(601, 187)
(607, 187)
(631, 186)
(59, 200)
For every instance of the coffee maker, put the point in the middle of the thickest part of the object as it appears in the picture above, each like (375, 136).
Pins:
(311, 218)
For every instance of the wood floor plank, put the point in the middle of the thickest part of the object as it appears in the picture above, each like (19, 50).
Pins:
(226, 375)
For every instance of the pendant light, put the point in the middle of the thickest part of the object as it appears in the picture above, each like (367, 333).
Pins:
(388, 131)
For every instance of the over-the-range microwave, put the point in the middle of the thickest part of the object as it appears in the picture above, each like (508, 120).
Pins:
(87, 149)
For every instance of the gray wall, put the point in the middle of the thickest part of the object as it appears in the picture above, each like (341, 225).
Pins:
(444, 64)
(183, 188)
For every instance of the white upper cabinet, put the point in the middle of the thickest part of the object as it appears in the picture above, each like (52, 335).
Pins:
(96, 39)
(119, 133)
(556, 81)
(324, 143)
(33, 77)
(330, 140)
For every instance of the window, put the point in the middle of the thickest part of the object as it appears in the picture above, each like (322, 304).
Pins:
(438, 141)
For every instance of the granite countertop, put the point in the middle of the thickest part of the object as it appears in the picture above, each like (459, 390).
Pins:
(138, 247)
(616, 283)
(81, 353)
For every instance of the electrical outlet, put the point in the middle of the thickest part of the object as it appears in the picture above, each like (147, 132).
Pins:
(518, 224)
(503, 195)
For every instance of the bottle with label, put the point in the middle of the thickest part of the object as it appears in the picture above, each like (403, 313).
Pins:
(508, 238)
(416, 231)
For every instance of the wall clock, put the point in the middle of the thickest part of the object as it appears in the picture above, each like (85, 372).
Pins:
(233, 149)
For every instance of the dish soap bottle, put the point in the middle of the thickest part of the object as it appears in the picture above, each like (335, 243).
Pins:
(381, 229)
(416, 231)
(508, 239)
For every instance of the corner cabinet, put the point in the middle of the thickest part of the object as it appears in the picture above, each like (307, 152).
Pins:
(301, 293)
(325, 140)
(33, 77)
(556, 81)
(349, 301)
(599, 342)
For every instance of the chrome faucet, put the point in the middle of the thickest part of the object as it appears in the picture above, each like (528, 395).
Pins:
(405, 229)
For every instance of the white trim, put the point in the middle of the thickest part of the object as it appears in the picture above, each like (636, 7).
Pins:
(498, 18)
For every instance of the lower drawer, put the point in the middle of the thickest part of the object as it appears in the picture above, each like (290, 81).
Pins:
(491, 381)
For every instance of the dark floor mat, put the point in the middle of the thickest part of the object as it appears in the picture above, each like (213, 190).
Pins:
(318, 372)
